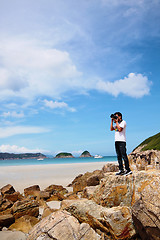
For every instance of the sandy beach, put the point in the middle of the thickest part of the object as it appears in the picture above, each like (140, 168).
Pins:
(21, 177)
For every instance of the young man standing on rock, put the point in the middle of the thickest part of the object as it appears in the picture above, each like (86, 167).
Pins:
(120, 142)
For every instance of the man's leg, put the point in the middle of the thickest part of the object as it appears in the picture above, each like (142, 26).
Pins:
(124, 155)
(119, 156)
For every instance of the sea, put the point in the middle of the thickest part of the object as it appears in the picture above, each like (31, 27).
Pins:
(31, 161)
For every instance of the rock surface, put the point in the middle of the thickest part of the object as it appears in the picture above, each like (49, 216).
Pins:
(8, 189)
(12, 235)
(114, 223)
(122, 190)
(31, 191)
(146, 211)
(25, 207)
(24, 224)
(144, 160)
(62, 226)
(87, 179)
(110, 167)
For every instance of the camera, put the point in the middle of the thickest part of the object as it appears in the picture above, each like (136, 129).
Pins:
(113, 116)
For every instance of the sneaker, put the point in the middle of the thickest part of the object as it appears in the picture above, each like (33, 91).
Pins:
(127, 172)
(121, 172)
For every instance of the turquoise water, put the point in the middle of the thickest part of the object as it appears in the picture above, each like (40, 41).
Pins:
(21, 162)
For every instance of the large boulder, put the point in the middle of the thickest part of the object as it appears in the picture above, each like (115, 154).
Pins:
(55, 188)
(8, 189)
(13, 196)
(25, 207)
(146, 211)
(87, 179)
(122, 190)
(32, 190)
(114, 223)
(61, 225)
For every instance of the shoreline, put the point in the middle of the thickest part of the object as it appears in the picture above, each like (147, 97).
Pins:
(24, 176)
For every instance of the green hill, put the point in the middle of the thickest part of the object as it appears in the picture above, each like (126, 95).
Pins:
(151, 143)
(64, 155)
(85, 154)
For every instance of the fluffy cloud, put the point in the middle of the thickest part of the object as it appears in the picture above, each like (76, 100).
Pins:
(16, 130)
(31, 69)
(134, 85)
(13, 114)
(17, 149)
(62, 105)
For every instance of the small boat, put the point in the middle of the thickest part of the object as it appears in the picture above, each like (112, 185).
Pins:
(40, 159)
(98, 156)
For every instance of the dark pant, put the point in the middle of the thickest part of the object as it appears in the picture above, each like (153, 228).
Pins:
(121, 153)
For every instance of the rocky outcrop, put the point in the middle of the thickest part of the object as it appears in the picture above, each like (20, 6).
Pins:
(146, 211)
(85, 154)
(55, 188)
(87, 179)
(61, 225)
(32, 190)
(114, 223)
(25, 207)
(144, 160)
(8, 189)
(15, 206)
(110, 167)
(122, 190)
(102, 206)
(13, 197)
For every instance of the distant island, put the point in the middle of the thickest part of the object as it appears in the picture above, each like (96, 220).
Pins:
(4, 156)
(13, 156)
(64, 155)
(86, 154)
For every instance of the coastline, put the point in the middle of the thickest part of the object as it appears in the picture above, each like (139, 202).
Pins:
(21, 177)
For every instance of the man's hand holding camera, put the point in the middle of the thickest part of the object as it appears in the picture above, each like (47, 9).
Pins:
(116, 119)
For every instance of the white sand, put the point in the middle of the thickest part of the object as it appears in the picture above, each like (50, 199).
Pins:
(21, 177)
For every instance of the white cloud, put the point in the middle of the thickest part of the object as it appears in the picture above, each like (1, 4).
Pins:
(62, 105)
(13, 114)
(31, 69)
(17, 149)
(16, 130)
(134, 85)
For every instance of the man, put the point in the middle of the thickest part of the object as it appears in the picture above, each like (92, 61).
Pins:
(120, 142)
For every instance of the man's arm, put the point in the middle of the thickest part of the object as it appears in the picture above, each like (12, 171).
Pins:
(118, 127)
(112, 128)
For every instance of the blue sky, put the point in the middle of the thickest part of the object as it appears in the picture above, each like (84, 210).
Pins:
(66, 65)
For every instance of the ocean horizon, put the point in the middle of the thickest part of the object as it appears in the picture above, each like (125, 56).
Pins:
(34, 161)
